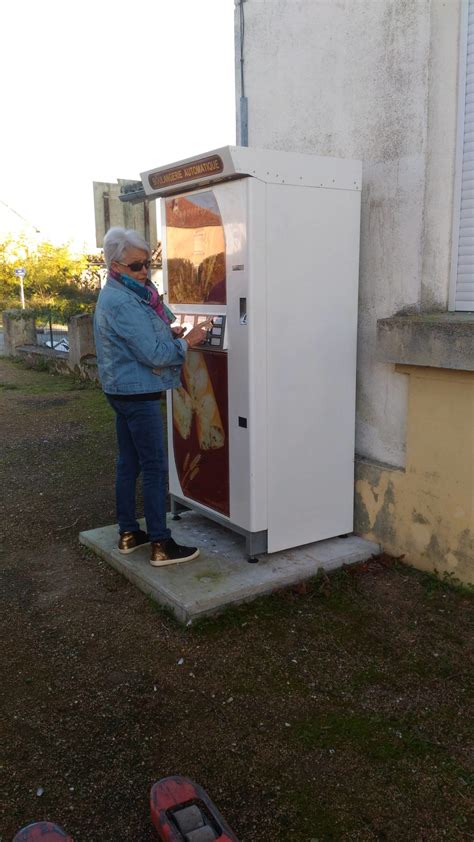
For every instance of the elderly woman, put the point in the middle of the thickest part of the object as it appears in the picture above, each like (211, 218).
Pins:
(139, 356)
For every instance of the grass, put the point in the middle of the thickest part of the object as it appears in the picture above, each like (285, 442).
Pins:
(435, 584)
(350, 693)
(371, 735)
(85, 401)
(337, 594)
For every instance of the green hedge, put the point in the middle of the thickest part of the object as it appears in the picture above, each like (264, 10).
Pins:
(60, 308)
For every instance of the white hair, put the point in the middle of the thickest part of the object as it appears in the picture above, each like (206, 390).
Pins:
(118, 240)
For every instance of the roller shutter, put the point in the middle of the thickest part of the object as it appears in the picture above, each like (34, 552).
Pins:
(464, 299)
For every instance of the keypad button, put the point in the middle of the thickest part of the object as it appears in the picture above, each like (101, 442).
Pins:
(215, 341)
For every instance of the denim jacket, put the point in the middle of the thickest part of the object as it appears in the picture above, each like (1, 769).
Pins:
(136, 351)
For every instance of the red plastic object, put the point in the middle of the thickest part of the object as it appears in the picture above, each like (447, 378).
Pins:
(171, 794)
(42, 832)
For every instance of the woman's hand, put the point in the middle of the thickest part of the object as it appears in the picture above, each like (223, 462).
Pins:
(177, 331)
(198, 334)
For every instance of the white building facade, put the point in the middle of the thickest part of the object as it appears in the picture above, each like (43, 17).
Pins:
(382, 81)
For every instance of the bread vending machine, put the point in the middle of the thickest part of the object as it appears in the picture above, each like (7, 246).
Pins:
(261, 430)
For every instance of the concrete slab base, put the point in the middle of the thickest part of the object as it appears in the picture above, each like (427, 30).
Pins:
(221, 576)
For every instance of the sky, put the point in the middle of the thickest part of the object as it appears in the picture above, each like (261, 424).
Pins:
(95, 91)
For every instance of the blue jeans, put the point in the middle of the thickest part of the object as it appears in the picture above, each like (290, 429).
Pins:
(141, 450)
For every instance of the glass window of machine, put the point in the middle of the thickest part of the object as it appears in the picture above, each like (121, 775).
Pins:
(195, 250)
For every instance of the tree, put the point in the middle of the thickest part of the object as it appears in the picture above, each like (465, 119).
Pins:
(53, 280)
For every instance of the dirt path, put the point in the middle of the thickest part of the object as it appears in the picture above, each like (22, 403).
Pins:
(335, 711)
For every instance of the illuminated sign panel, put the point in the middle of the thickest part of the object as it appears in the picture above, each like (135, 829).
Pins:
(201, 168)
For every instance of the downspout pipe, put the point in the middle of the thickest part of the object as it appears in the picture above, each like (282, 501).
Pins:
(243, 110)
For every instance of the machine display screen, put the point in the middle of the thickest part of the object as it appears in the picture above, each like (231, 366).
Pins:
(195, 250)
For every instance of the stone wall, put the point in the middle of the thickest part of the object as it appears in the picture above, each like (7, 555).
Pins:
(81, 339)
(21, 340)
(19, 328)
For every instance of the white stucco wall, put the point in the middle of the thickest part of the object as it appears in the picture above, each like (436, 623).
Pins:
(374, 80)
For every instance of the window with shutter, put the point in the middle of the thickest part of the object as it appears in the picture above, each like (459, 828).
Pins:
(463, 229)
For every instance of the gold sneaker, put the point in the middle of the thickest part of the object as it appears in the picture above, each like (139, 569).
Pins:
(131, 541)
(169, 552)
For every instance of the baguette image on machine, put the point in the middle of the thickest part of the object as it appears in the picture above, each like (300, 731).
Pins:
(198, 397)
(209, 425)
(200, 430)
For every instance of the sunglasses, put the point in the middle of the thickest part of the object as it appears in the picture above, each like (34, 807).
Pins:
(137, 265)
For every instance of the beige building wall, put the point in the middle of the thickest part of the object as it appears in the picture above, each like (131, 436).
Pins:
(426, 511)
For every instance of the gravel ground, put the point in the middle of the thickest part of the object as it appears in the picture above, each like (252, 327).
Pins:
(337, 710)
